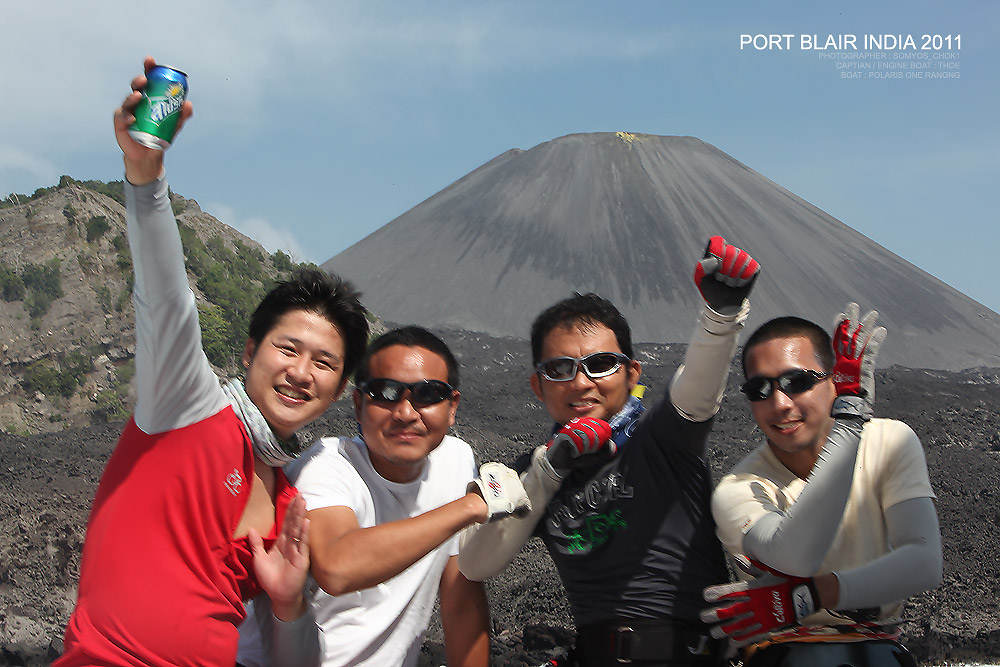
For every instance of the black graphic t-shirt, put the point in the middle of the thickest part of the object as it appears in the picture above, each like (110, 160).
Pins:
(633, 537)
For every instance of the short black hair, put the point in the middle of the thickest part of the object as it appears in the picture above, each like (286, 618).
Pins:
(584, 309)
(315, 290)
(411, 336)
(793, 327)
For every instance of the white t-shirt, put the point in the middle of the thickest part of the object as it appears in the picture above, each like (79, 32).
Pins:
(889, 469)
(383, 625)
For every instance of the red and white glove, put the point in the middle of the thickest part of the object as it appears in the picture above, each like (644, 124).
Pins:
(579, 437)
(855, 345)
(725, 276)
(749, 611)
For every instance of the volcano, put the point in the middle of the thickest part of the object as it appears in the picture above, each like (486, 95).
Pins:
(626, 216)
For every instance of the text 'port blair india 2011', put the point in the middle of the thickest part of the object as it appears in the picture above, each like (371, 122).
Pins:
(850, 42)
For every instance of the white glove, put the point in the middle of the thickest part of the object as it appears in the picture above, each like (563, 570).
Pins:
(502, 490)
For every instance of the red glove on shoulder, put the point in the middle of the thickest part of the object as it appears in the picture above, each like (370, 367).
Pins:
(579, 437)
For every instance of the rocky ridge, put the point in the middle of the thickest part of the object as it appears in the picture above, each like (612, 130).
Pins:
(94, 316)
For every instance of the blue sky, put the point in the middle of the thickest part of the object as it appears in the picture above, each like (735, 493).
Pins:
(318, 122)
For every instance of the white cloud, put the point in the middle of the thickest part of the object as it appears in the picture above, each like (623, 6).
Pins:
(272, 237)
(252, 63)
(68, 62)
(19, 168)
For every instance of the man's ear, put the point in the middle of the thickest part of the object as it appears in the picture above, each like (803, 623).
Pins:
(453, 410)
(340, 389)
(357, 398)
(633, 373)
(249, 349)
(536, 386)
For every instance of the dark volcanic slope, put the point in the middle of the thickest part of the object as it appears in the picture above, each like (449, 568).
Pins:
(625, 215)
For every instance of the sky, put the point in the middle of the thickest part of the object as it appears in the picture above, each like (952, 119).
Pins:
(318, 122)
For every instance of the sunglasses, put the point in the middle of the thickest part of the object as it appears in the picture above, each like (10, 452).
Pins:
(597, 365)
(789, 383)
(425, 392)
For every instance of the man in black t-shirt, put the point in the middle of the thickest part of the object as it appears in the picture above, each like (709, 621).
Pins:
(620, 495)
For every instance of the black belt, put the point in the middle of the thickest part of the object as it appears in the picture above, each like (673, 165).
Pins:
(642, 640)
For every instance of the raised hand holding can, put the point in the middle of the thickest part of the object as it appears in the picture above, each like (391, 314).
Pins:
(158, 114)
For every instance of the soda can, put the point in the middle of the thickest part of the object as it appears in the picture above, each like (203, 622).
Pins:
(159, 111)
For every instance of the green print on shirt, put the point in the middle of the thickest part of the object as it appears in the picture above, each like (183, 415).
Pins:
(597, 529)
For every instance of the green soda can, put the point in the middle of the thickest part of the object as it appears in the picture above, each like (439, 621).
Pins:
(159, 111)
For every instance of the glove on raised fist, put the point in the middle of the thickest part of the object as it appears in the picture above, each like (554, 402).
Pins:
(502, 490)
(855, 345)
(749, 611)
(725, 276)
(579, 437)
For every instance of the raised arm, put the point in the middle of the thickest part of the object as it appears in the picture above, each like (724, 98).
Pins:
(725, 278)
(175, 383)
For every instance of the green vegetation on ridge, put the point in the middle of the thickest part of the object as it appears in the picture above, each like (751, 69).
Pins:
(232, 276)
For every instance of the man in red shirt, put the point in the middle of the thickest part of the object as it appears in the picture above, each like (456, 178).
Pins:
(183, 527)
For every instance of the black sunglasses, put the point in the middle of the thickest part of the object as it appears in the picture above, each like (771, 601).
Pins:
(597, 365)
(789, 383)
(425, 392)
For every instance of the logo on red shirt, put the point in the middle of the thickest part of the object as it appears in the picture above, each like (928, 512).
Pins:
(234, 481)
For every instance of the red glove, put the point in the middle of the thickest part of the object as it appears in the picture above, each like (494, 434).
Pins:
(749, 611)
(855, 344)
(579, 437)
(725, 276)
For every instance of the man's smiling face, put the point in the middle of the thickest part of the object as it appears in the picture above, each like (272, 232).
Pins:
(796, 426)
(296, 371)
(401, 435)
(600, 398)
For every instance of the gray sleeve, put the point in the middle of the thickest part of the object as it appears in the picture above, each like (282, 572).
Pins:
(298, 643)
(488, 548)
(795, 542)
(913, 564)
(175, 383)
(697, 388)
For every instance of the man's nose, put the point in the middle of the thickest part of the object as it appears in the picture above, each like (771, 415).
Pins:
(403, 410)
(781, 399)
(299, 369)
(581, 379)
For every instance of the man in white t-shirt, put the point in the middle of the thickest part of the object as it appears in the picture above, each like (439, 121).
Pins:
(834, 514)
(385, 508)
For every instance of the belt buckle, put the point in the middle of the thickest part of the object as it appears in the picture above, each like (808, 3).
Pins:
(623, 644)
